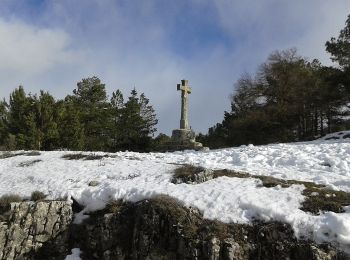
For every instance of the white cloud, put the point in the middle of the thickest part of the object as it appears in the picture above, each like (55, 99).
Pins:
(264, 26)
(29, 50)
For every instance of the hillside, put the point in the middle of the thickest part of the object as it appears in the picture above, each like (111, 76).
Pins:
(306, 185)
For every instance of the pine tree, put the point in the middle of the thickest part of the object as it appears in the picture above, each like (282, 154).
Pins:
(71, 131)
(47, 126)
(285, 101)
(131, 123)
(91, 101)
(148, 116)
(340, 48)
(137, 120)
(3, 125)
(117, 110)
(19, 119)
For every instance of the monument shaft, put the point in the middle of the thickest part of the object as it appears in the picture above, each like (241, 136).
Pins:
(185, 90)
(184, 111)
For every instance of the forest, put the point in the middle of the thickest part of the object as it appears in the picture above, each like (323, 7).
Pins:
(288, 99)
(84, 121)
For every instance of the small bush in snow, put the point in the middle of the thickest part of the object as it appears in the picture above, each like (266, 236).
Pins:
(37, 195)
(6, 200)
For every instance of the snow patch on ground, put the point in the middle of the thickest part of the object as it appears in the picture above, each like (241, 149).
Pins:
(75, 254)
(342, 135)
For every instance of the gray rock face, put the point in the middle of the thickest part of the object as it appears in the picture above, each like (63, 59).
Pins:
(31, 227)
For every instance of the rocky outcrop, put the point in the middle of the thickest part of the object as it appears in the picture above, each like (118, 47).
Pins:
(159, 228)
(163, 229)
(36, 230)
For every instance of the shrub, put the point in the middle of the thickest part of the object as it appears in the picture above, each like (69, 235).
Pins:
(37, 195)
(6, 200)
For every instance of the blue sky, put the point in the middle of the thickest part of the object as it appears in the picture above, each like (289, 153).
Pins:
(153, 44)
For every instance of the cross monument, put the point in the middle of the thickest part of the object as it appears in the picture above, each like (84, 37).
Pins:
(183, 138)
(185, 90)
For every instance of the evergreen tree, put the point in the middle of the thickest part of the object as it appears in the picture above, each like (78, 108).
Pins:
(117, 109)
(70, 129)
(138, 122)
(91, 101)
(148, 116)
(46, 121)
(32, 135)
(338, 81)
(20, 121)
(340, 48)
(131, 123)
(3, 125)
(289, 99)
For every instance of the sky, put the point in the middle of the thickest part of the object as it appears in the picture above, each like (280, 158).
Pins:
(152, 44)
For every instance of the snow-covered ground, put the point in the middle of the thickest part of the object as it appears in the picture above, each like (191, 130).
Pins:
(135, 176)
(342, 135)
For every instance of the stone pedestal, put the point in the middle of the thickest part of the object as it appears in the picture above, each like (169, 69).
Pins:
(183, 139)
(183, 136)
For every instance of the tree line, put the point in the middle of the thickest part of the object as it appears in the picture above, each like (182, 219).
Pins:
(85, 120)
(289, 98)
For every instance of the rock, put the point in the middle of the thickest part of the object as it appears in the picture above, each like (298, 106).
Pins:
(232, 250)
(31, 225)
(94, 183)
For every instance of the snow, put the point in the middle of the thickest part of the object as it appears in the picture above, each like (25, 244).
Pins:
(136, 176)
(337, 136)
(75, 254)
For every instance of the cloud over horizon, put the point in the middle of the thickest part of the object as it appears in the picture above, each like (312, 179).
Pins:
(152, 45)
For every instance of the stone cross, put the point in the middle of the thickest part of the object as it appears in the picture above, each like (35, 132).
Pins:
(185, 90)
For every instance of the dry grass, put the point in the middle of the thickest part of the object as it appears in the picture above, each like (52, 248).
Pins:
(230, 173)
(187, 171)
(8, 154)
(74, 156)
(80, 156)
(113, 206)
(28, 163)
(33, 153)
(318, 198)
